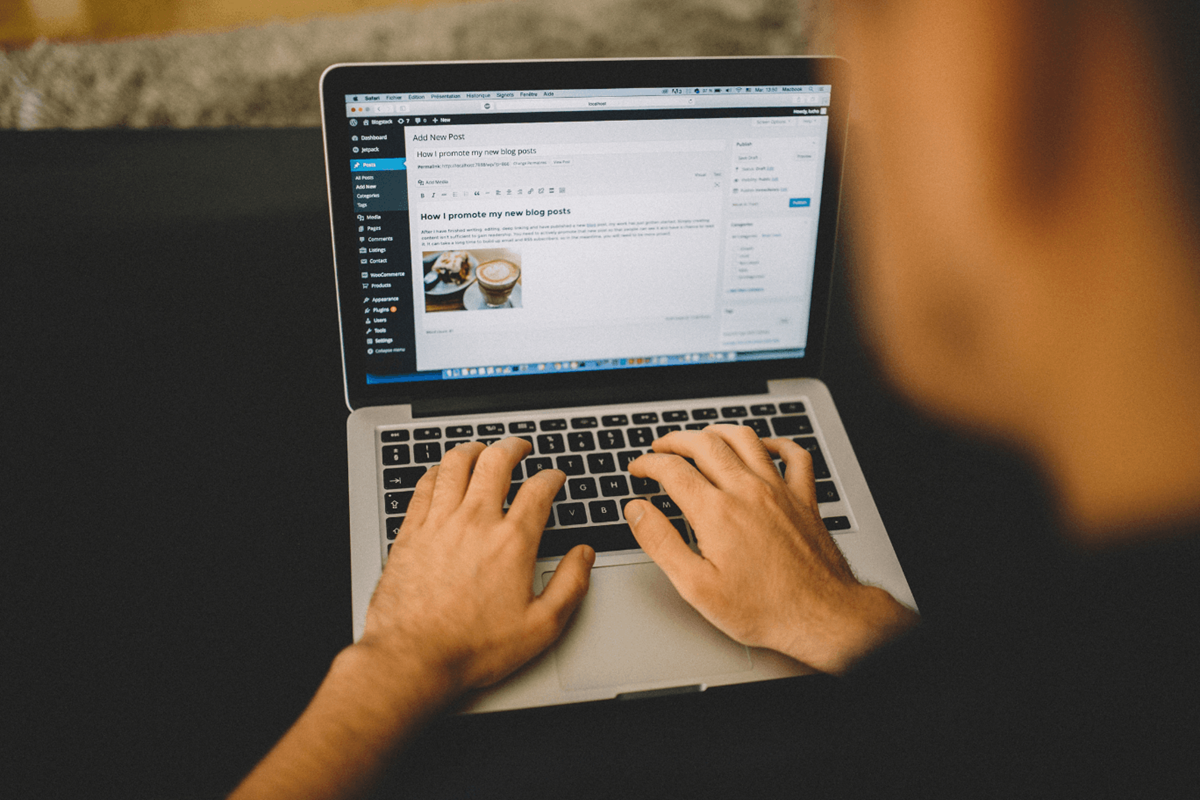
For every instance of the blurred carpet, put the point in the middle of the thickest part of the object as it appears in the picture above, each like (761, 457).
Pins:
(266, 75)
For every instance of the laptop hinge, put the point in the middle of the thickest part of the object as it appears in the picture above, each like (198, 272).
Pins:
(695, 687)
(496, 403)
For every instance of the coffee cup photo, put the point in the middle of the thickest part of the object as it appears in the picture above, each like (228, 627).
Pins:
(496, 280)
(472, 279)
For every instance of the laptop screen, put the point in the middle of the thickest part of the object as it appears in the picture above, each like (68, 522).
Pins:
(529, 230)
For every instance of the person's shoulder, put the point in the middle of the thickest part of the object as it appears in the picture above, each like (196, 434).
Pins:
(1081, 679)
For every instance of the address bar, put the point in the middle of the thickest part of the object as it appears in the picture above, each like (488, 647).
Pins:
(583, 103)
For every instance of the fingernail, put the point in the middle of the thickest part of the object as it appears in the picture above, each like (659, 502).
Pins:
(589, 555)
(638, 512)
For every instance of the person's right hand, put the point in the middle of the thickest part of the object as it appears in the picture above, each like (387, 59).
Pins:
(768, 573)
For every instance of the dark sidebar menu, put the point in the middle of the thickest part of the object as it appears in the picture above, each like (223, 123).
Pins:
(381, 242)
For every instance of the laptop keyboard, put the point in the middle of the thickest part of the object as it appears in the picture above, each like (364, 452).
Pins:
(594, 452)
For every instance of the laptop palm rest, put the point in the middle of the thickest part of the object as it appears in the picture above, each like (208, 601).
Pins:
(633, 629)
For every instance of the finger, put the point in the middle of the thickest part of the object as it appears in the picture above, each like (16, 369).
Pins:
(713, 456)
(418, 505)
(531, 507)
(662, 542)
(563, 594)
(743, 441)
(454, 475)
(493, 471)
(679, 479)
(799, 472)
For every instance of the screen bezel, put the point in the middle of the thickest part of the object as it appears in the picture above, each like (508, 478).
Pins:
(725, 378)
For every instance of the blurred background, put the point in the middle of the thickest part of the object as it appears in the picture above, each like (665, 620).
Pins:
(213, 63)
(26, 21)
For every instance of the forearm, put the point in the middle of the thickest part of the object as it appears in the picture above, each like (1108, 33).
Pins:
(356, 722)
(872, 620)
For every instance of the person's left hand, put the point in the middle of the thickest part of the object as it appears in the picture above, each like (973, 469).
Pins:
(457, 590)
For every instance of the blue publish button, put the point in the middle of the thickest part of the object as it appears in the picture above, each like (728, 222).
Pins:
(799, 202)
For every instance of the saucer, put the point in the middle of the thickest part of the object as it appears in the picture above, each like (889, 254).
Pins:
(473, 298)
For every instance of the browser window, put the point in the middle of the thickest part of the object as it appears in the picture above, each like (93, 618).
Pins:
(526, 232)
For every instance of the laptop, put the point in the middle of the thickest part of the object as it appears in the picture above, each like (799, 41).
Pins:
(590, 254)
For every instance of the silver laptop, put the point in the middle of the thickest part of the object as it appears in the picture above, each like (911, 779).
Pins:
(590, 254)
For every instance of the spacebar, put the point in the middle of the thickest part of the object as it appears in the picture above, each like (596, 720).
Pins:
(558, 541)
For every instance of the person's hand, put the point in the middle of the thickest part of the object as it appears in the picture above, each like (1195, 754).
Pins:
(768, 573)
(457, 591)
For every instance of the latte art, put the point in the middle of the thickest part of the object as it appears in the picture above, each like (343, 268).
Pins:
(498, 272)
(496, 280)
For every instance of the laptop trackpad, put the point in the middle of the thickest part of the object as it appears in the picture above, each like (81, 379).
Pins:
(634, 628)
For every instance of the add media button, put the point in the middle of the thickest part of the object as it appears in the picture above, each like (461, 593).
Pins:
(799, 202)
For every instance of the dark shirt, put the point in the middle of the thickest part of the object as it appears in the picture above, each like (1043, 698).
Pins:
(1084, 683)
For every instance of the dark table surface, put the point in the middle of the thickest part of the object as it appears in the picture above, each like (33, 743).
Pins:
(176, 574)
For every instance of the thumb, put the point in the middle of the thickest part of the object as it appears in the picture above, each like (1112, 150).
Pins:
(662, 542)
(567, 587)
